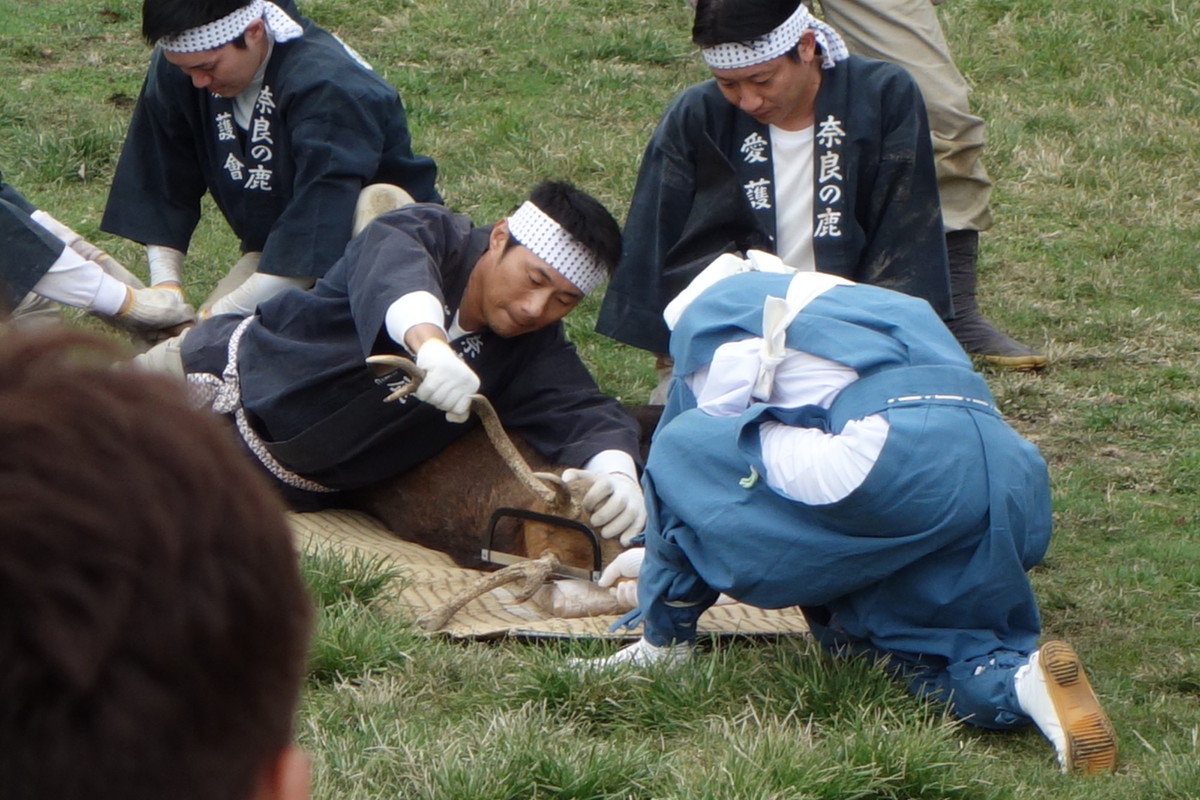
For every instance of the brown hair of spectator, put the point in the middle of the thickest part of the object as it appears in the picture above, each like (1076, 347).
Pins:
(154, 623)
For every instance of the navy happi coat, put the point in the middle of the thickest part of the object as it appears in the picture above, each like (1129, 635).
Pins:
(323, 127)
(311, 397)
(706, 187)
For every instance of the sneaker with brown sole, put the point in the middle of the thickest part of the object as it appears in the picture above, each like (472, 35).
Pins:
(1091, 740)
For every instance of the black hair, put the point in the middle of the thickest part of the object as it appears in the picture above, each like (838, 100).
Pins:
(725, 21)
(163, 18)
(582, 216)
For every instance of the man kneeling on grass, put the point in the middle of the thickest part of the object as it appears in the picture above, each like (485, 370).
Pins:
(479, 308)
(826, 444)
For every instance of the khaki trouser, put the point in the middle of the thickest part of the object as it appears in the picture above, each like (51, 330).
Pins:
(908, 33)
(35, 311)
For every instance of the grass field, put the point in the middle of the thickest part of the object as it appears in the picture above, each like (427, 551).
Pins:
(1093, 110)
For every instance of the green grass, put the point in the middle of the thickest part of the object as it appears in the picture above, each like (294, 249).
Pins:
(1093, 112)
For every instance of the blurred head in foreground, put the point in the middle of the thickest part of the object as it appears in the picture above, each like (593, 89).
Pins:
(155, 623)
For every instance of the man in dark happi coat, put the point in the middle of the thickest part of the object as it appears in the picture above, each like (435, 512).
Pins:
(279, 120)
(794, 148)
(479, 308)
(908, 33)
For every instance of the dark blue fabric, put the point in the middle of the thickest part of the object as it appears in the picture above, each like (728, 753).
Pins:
(335, 127)
(310, 395)
(690, 205)
(27, 250)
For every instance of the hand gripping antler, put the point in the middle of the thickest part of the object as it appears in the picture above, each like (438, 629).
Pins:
(548, 487)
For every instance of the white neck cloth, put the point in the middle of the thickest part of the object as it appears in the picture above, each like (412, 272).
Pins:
(736, 55)
(550, 242)
(221, 32)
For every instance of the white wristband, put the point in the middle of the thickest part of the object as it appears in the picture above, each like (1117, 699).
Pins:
(166, 264)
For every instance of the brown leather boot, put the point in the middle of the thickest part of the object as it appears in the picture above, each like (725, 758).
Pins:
(977, 335)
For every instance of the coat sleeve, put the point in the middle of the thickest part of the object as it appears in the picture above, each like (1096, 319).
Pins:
(394, 256)
(29, 249)
(665, 188)
(159, 180)
(906, 246)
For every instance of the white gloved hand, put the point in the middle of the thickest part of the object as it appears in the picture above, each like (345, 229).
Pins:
(614, 503)
(448, 383)
(154, 309)
(621, 576)
(639, 654)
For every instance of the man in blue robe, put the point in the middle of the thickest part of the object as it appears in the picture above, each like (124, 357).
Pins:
(827, 445)
(279, 121)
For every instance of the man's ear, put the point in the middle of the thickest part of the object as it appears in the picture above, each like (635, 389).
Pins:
(499, 236)
(255, 31)
(807, 46)
(287, 777)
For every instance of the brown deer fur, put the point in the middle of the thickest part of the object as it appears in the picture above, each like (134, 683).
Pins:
(445, 503)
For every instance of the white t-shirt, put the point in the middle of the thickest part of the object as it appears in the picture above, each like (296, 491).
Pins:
(792, 154)
(805, 464)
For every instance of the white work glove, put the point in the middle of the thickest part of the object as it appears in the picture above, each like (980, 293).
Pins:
(614, 503)
(448, 383)
(639, 654)
(154, 309)
(621, 576)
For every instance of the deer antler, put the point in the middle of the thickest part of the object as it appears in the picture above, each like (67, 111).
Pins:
(531, 574)
(549, 488)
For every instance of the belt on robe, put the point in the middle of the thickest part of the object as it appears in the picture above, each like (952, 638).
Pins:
(912, 386)
(224, 396)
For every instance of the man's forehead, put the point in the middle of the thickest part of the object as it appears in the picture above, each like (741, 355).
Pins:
(198, 58)
(559, 281)
(545, 237)
(744, 73)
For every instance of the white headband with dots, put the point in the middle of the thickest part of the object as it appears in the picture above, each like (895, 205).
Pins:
(221, 32)
(736, 55)
(550, 242)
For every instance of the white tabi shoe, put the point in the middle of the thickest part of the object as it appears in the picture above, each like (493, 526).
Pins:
(639, 654)
(1054, 691)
